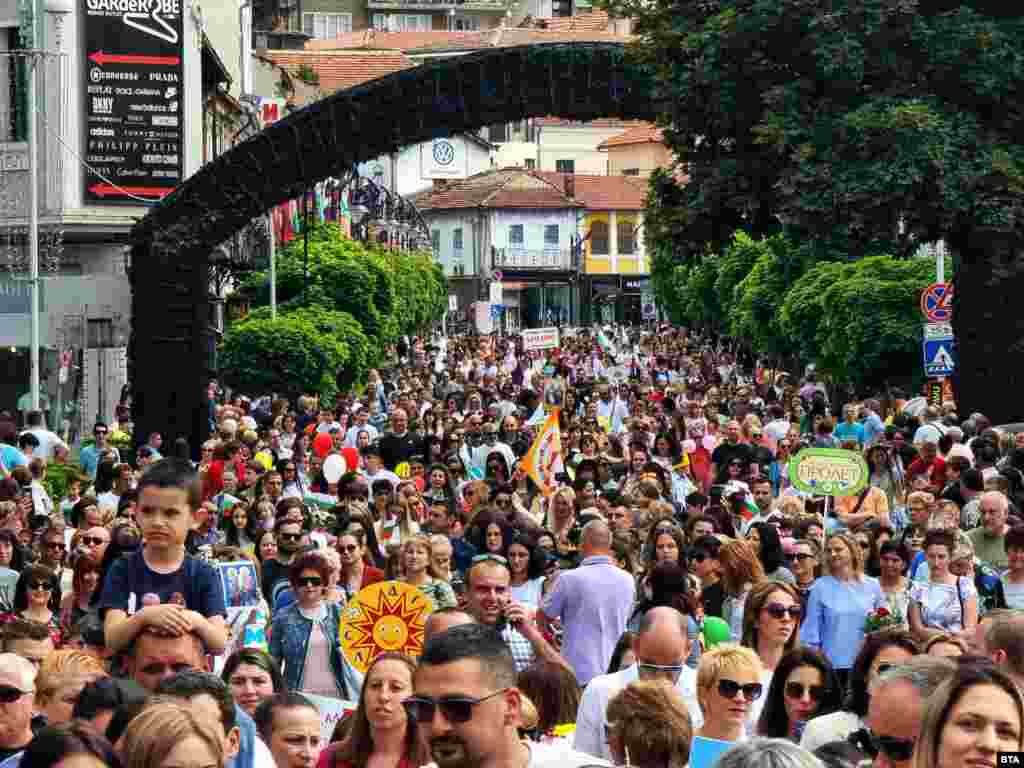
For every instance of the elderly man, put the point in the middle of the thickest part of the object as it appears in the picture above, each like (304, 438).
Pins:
(896, 708)
(989, 539)
(17, 687)
(661, 650)
(399, 444)
(593, 601)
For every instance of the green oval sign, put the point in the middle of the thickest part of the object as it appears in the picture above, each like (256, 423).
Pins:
(828, 472)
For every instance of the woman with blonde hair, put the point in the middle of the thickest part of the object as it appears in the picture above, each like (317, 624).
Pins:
(416, 568)
(61, 677)
(728, 685)
(741, 571)
(169, 734)
(839, 604)
(649, 726)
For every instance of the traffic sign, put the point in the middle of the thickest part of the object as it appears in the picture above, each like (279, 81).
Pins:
(937, 302)
(938, 331)
(938, 357)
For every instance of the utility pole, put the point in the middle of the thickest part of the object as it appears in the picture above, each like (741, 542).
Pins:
(32, 61)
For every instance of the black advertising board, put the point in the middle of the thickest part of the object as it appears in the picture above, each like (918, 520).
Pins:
(133, 95)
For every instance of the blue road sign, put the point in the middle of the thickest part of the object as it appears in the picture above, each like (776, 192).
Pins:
(938, 357)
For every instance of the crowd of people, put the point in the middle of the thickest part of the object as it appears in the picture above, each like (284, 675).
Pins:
(671, 591)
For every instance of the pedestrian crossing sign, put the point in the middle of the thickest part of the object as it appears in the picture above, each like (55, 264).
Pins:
(938, 357)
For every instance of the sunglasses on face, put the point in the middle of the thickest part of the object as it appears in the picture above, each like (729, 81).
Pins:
(777, 611)
(456, 709)
(729, 688)
(801, 556)
(290, 536)
(895, 749)
(55, 545)
(9, 694)
(349, 548)
(796, 691)
(40, 586)
(309, 581)
(93, 541)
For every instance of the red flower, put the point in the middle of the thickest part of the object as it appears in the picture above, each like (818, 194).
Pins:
(883, 612)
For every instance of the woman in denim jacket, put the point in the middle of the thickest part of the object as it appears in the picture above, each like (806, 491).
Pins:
(304, 636)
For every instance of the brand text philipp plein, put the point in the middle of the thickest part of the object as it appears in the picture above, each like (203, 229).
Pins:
(164, 7)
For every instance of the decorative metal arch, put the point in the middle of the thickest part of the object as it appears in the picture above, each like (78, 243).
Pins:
(171, 346)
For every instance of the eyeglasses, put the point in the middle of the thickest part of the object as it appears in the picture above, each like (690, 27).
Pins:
(349, 548)
(456, 709)
(729, 689)
(503, 501)
(796, 691)
(9, 694)
(290, 536)
(670, 671)
(489, 557)
(99, 432)
(55, 545)
(801, 556)
(777, 611)
(93, 541)
(309, 581)
(893, 748)
(40, 586)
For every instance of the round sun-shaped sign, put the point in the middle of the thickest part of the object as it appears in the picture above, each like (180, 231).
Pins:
(383, 617)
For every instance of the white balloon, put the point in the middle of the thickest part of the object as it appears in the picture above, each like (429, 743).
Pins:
(334, 467)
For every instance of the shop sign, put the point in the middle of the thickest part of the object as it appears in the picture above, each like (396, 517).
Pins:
(828, 472)
(133, 99)
(540, 338)
(636, 284)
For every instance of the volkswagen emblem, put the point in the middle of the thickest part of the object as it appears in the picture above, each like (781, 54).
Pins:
(444, 152)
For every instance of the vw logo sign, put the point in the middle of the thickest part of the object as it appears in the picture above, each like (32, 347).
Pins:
(444, 152)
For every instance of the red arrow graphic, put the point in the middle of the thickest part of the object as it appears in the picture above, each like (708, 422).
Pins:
(102, 190)
(101, 58)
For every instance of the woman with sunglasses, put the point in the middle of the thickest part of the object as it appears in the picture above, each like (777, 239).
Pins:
(380, 733)
(803, 687)
(728, 684)
(37, 598)
(304, 635)
(771, 620)
(356, 573)
(880, 651)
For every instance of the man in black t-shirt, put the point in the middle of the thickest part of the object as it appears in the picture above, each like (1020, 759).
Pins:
(398, 444)
(731, 449)
(17, 684)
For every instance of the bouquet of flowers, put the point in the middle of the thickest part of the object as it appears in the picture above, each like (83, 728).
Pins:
(882, 618)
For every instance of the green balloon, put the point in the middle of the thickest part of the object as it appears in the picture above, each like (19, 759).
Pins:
(716, 631)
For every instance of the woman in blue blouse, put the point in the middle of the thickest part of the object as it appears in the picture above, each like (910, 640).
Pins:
(838, 605)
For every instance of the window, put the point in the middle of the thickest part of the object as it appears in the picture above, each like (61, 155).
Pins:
(627, 238)
(467, 24)
(630, 171)
(530, 163)
(326, 26)
(14, 100)
(565, 166)
(402, 22)
(515, 235)
(435, 241)
(498, 132)
(100, 333)
(550, 236)
(457, 239)
(599, 238)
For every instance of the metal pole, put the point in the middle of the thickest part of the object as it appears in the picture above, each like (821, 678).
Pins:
(305, 245)
(273, 267)
(33, 226)
(940, 265)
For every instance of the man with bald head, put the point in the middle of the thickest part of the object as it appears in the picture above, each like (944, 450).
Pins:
(399, 443)
(593, 601)
(661, 648)
(17, 690)
(989, 539)
(444, 619)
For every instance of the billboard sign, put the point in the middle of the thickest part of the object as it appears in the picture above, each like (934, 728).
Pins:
(540, 338)
(133, 99)
(444, 159)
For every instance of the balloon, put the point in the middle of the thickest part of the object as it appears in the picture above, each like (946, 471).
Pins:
(334, 467)
(403, 470)
(265, 460)
(351, 458)
(716, 631)
(322, 444)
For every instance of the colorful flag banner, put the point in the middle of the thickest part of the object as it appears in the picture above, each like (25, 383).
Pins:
(544, 459)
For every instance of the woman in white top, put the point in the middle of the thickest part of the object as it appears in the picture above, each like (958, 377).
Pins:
(1013, 579)
(945, 603)
(527, 566)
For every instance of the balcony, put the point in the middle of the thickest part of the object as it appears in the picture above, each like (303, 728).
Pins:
(497, 6)
(528, 258)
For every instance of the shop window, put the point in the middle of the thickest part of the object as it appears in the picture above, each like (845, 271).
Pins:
(627, 238)
(599, 238)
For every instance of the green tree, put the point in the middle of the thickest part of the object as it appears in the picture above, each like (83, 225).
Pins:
(758, 297)
(858, 127)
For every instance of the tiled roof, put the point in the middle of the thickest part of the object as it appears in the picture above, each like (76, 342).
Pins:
(372, 40)
(503, 188)
(507, 36)
(592, 21)
(602, 193)
(342, 69)
(646, 133)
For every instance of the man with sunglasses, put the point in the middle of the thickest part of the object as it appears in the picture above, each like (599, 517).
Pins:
(661, 647)
(17, 689)
(89, 457)
(896, 709)
(467, 706)
(289, 534)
